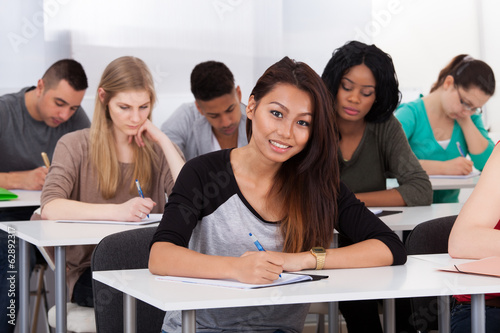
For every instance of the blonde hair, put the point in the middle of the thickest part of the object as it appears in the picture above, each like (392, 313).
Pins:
(122, 74)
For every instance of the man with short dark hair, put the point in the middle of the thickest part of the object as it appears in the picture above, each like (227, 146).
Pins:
(215, 120)
(31, 122)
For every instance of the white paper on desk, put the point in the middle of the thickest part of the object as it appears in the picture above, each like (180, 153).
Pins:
(474, 173)
(285, 279)
(153, 218)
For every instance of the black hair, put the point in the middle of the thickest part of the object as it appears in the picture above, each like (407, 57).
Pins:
(66, 69)
(355, 53)
(211, 79)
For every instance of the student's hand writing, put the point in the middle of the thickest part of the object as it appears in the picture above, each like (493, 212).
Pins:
(258, 267)
(135, 209)
(152, 132)
(28, 180)
(459, 166)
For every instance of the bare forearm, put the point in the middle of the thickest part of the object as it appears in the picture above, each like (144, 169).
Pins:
(474, 243)
(381, 198)
(476, 143)
(368, 253)
(433, 167)
(169, 259)
(173, 157)
(66, 209)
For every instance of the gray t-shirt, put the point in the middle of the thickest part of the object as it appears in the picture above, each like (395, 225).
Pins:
(23, 139)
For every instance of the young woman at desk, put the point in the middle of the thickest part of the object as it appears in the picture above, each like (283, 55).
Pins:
(446, 125)
(476, 235)
(373, 146)
(284, 187)
(93, 171)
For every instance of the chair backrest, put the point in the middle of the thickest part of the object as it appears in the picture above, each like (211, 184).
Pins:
(124, 250)
(430, 237)
(427, 238)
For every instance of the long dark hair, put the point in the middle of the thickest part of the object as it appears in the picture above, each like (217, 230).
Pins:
(380, 63)
(468, 72)
(306, 185)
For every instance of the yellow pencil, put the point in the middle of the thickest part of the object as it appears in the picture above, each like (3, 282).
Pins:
(46, 159)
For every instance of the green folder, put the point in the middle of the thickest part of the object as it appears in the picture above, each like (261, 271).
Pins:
(6, 195)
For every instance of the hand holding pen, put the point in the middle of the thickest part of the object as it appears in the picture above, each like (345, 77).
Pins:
(257, 243)
(139, 189)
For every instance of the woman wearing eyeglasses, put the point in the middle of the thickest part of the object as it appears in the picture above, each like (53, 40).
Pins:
(446, 125)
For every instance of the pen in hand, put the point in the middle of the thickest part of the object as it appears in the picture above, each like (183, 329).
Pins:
(46, 159)
(139, 189)
(257, 243)
(460, 149)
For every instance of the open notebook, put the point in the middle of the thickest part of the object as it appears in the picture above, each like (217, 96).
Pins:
(474, 173)
(153, 218)
(286, 278)
(487, 266)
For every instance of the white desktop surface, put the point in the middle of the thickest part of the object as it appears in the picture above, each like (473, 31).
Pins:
(442, 183)
(24, 199)
(59, 235)
(453, 183)
(52, 233)
(418, 277)
(412, 216)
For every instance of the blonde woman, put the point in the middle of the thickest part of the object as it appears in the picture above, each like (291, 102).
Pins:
(93, 171)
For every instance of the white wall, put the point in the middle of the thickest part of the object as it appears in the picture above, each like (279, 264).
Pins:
(173, 36)
(423, 36)
(248, 35)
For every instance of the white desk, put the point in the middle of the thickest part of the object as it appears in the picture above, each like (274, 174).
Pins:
(453, 183)
(59, 235)
(412, 216)
(24, 199)
(443, 183)
(417, 278)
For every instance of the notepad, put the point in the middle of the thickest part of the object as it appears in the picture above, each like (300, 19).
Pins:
(286, 278)
(153, 218)
(474, 173)
(487, 266)
(6, 195)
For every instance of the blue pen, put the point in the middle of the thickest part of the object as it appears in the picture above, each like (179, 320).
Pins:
(139, 189)
(257, 243)
(460, 149)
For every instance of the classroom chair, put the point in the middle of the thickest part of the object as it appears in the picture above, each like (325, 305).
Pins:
(429, 237)
(79, 319)
(124, 250)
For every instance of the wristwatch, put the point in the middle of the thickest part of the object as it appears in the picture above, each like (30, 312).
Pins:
(320, 255)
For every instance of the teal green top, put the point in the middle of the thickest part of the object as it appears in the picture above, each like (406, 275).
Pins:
(416, 125)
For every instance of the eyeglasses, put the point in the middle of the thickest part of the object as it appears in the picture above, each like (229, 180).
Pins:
(466, 106)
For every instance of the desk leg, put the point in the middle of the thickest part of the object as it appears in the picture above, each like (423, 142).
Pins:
(60, 295)
(333, 317)
(24, 294)
(444, 314)
(129, 314)
(389, 315)
(188, 321)
(478, 313)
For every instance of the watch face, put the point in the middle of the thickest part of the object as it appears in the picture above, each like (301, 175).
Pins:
(318, 249)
